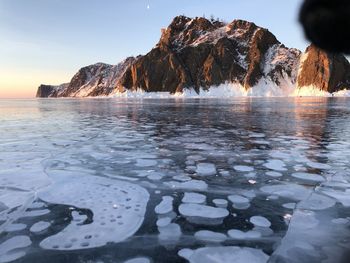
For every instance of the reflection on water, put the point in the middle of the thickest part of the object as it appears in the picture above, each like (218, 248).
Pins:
(195, 180)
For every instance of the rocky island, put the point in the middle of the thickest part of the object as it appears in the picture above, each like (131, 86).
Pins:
(200, 54)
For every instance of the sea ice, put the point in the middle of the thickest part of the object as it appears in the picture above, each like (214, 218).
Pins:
(224, 255)
(194, 198)
(206, 169)
(316, 202)
(239, 202)
(117, 208)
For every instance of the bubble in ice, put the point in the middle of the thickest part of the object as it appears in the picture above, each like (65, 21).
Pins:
(206, 169)
(316, 165)
(291, 191)
(117, 208)
(260, 221)
(274, 174)
(194, 198)
(224, 255)
(309, 177)
(15, 227)
(162, 222)
(145, 162)
(165, 206)
(170, 232)
(239, 202)
(202, 214)
(138, 260)
(240, 235)
(210, 236)
(316, 202)
(276, 165)
(195, 185)
(39, 227)
(35, 213)
(243, 168)
(220, 203)
(10, 250)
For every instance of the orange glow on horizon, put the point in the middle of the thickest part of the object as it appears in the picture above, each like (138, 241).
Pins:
(17, 84)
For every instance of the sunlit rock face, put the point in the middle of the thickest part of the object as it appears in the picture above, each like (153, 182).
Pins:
(322, 70)
(95, 80)
(198, 53)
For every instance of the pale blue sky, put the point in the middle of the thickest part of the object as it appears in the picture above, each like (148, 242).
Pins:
(47, 41)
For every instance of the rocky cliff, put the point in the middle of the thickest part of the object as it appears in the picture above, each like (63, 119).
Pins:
(201, 54)
(322, 70)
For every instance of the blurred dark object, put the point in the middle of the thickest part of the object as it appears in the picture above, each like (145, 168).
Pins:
(327, 24)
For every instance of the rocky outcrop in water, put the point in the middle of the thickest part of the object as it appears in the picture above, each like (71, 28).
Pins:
(201, 54)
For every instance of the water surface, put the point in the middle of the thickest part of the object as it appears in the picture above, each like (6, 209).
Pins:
(175, 180)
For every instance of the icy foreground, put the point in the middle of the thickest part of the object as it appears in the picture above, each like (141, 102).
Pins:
(148, 181)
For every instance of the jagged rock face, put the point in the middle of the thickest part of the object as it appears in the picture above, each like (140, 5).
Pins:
(50, 91)
(95, 80)
(199, 53)
(326, 71)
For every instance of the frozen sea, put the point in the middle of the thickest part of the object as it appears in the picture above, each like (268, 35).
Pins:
(175, 180)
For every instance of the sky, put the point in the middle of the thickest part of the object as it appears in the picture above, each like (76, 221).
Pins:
(47, 41)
